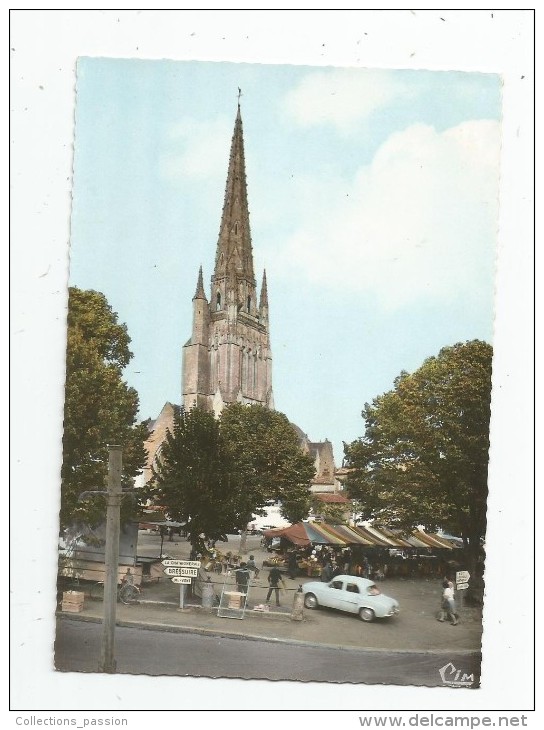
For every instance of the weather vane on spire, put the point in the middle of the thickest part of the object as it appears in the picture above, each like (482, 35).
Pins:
(239, 95)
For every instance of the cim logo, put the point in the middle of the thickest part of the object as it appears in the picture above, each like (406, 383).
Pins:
(453, 676)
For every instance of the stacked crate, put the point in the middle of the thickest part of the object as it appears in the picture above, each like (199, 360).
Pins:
(72, 601)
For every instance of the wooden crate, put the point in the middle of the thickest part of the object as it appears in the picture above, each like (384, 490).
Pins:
(72, 601)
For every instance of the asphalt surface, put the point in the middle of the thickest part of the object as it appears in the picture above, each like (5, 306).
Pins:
(144, 651)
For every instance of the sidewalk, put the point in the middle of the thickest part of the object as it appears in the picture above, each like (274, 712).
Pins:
(415, 629)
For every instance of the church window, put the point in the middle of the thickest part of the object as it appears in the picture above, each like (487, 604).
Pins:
(249, 304)
(236, 228)
(218, 300)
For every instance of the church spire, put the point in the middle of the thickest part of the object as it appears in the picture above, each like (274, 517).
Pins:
(234, 257)
(200, 294)
(263, 302)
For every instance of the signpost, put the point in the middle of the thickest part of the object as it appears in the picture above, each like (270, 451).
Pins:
(171, 572)
(181, 572)
(461, 583)
(171, 563)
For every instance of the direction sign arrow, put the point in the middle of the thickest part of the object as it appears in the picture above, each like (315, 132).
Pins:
(178, 579)
(193, 572)
(172, 563)
(462, 586)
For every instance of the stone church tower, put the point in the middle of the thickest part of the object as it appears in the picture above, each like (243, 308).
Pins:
(228, 357)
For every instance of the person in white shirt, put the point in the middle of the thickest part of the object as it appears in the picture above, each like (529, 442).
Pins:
(448, 608)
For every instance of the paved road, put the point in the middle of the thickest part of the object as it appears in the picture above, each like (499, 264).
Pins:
(142, 651)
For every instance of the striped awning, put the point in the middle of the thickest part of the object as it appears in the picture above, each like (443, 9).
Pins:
(321, 533)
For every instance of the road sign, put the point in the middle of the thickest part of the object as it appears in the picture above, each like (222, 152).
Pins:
(462, 576)
(184, 580)
(171, 563)
(175, 571)
(462, 586)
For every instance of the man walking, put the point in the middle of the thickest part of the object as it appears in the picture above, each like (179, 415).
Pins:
(252, 565)
(274, 579)
(242, 578)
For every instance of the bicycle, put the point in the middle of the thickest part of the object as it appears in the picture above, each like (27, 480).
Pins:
(127, 593)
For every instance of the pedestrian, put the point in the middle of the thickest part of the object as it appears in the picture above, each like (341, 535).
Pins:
(128, 578)
(274, 579)
(252, 565)
(326, 573)
(448, 608)
(292, 565)
(242, 578)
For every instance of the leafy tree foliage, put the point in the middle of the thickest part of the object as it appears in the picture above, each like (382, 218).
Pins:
(191, 478)
(99, 407)
(267, 461)
(424, 456)
(216, 474)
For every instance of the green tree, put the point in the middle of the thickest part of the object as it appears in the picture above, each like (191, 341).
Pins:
(216, 474)
(99, 407)
(267, 462)
(192, 479)
(424, 456)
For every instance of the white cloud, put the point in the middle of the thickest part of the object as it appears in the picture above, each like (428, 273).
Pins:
(341, 97)
(417, 224)
(195, 148)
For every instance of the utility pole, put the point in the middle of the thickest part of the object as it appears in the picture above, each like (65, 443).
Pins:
(113, 514)
(113, 497)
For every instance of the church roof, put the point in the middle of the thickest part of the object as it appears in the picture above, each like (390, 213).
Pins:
(331, 498)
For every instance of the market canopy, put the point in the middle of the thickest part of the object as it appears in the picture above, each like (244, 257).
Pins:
(320, 533)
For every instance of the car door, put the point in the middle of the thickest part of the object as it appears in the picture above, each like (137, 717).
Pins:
(331, 596)
(349, 597)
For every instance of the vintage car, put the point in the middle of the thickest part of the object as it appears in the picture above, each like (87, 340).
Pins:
(350, 593)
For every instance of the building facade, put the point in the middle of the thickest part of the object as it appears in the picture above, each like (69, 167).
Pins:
(228, 357)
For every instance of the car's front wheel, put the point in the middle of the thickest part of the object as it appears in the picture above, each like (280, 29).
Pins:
(366, 614)
(310, 601)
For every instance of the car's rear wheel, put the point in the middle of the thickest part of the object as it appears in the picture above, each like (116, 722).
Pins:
(310, 601)
(366, 614)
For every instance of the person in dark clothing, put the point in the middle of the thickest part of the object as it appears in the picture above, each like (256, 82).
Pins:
(326, 573)
(292, 565)
(242, 578)
(252, 565)
(274, 579)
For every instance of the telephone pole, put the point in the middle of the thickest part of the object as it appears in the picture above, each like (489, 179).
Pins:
(113, 497)
(113, 515)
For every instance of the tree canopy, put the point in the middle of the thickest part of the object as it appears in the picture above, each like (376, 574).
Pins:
(267, 460)
(216, 474)
(99, 407)
(424, 456)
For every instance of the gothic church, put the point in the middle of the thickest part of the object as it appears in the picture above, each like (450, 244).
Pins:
(228, 357)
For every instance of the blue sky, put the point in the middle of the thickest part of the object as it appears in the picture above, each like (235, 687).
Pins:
(373, 208)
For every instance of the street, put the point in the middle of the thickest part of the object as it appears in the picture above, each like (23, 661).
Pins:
(155, 653)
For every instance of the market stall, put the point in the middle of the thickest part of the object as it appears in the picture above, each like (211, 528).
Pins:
(317, 548)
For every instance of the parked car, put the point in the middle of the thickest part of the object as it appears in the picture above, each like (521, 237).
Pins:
(350, 593)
